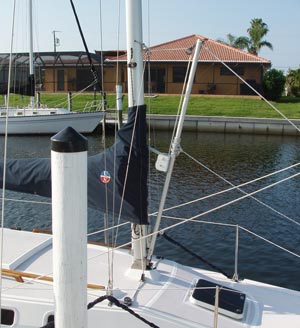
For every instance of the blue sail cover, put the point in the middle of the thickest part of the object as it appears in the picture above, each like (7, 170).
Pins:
(119, 172)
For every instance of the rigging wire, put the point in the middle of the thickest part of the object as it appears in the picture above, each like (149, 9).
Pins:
(5, 147)
(106, 216)
(234, 226)
(149, 85)
(251, 87)
(241, 190)
(193, 219)
(232, 201)
(229, 189)
(114, 234)
(110, 250)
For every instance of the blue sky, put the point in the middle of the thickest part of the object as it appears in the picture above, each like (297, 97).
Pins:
(164, 20)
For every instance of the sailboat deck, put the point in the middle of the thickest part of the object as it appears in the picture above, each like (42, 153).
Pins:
(163, 297)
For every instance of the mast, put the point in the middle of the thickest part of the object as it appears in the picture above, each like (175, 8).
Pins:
(31, 66)
(134, 33)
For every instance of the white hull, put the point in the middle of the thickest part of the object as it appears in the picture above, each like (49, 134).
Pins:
(164, 297)
(85, 122)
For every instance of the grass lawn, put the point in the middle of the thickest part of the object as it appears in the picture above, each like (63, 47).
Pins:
(168, 104)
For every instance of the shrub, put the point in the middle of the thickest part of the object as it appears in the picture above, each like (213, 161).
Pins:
(273, 84)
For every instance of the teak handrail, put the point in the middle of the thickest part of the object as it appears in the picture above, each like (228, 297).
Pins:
(19, 275)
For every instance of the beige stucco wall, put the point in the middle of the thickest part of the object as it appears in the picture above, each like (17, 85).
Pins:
(48, 80)
(208, 79)
(110, 75)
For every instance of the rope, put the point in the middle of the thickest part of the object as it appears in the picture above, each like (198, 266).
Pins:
(112, 300)
(171, 240)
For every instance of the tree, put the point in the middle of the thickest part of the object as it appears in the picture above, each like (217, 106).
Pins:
(230, 40)
(273, 84)
(254, 42)
(293, 81)
(240, 42)
(257, 31)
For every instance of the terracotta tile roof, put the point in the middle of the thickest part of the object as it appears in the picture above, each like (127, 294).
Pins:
(212, 51)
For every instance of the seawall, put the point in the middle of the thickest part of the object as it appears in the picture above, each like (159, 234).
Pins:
(219, 124)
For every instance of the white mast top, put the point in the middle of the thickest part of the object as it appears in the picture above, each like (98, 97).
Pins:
(134, 53)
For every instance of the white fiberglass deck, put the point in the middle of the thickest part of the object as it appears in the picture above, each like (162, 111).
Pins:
(163, 298)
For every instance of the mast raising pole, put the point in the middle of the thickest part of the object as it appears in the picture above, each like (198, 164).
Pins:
(175, 146)
(135, 80)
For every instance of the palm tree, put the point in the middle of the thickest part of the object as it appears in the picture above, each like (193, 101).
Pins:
(293, 81)
(230, 40)
(257, 31)
(254, 42)
(240, 42)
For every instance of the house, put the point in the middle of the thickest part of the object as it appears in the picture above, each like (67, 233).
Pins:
(54, 71)
(168, 64)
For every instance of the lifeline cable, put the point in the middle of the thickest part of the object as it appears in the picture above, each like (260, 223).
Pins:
(171, 240)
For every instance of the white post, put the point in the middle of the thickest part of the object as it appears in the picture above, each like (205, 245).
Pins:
(70, 101)
(119, 104)
(69, 224)
(135, 81)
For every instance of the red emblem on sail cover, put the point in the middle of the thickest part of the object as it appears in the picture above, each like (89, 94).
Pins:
(105, 177)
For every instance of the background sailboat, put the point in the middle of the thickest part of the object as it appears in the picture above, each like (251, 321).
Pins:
(36, 119)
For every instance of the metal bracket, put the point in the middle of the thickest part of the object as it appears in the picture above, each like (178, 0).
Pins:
(132, 64)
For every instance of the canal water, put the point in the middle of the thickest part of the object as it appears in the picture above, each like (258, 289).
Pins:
(273, 215)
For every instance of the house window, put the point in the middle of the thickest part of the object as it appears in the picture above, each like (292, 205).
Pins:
(240, 70)
(60, 80)
(7, 317)
(179, 73)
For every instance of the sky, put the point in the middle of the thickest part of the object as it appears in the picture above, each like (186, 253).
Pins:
(103, 24)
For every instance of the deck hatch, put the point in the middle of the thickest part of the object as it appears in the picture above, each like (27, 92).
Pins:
(231, 301)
